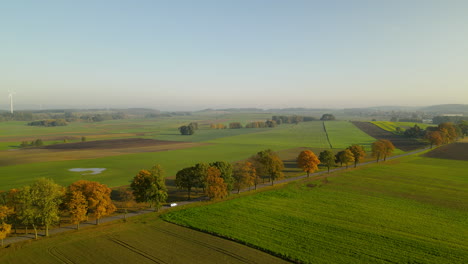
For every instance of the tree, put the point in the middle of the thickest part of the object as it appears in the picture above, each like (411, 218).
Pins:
(185, 180)
(308, 161)
(268, 163)
(77, 206)
(448, 131)
(235, 125)
(186, 130)
(244, 175)
(226, 172)
(5, 229)
(378, 149)
(434, 137)
(358, 153)
(344, 156)
(200, 171)
(327, 117)
(97, 195)
(216, 188)
(388, 148)
(149, 186)
(46, 197)
(327, 158)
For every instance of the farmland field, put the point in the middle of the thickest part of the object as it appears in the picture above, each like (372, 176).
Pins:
(146, 239)
(401, 142)
(412, 210)
(20, 167)
(391, 126)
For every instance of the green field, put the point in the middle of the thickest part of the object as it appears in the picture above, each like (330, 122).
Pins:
(391, 126)
(412, 211)
(227, 144)
(146, 239)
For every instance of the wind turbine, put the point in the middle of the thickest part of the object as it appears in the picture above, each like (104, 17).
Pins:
(10, 95)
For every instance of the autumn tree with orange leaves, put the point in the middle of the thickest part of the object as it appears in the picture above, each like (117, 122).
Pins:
(358, 152)
(4, 227)
(244, 175)
(216, 188)
(97, 196)
(77, 206)
(434, 137)
(308, 161)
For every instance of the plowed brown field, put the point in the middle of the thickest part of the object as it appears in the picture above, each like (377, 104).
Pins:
(454, 151)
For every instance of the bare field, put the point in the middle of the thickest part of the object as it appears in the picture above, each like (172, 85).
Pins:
(454, 151)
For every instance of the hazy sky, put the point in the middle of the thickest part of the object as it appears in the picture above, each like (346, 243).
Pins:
(198, 54)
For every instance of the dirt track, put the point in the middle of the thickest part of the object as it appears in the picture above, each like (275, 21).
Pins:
(111, 144)
(455, 151)
(400, 142)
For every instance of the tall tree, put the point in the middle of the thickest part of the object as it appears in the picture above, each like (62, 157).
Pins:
(46, 198)
(268, 163)
(244, 175)
(98, 197)
(448, 131)
(77, 207)
(388, 148)
(308, 161)
(378, 149)
(345, 156)
(358, 152)
(434, 137)
(216, 188)
(327, 158)
(149, 186)
(226, 172)
(5, 228)
(185, 179)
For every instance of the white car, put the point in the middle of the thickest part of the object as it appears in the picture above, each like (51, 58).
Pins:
(172, 205)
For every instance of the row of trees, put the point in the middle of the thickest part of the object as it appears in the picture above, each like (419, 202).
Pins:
(308, 161)
(49, 123)
(44, 202)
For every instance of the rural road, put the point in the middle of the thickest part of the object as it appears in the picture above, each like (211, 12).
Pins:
(68, 228)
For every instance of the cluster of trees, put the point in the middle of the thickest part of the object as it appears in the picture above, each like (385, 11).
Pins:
(35, 143)
(308, 161)
(188, 129)
(294, 119)
(442, 134)
(444, 119)
(235, 125)
(259, 124)
(327, 117)
(445, 133)
(48, 123)
(382, 148)
(16, 116)
(218, 126)
(215, 179)
(42, 204)
(149, 187)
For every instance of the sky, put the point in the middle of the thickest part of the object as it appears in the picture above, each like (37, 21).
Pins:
(191, 55)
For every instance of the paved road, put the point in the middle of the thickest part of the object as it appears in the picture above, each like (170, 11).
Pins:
(16, 239)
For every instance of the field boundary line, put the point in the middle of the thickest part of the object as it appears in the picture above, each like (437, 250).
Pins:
(326, 133)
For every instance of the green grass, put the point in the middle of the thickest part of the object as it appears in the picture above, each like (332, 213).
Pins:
(230, 145)
(415, 211)
(145, 239)
(342, 134)
(391, 126)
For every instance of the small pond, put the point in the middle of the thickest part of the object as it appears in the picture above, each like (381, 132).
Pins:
(92, 171)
